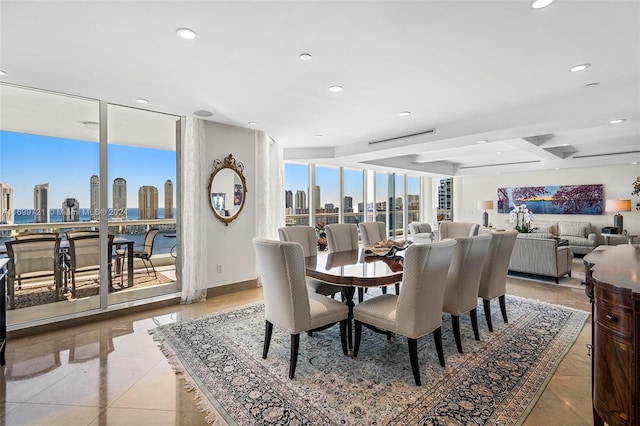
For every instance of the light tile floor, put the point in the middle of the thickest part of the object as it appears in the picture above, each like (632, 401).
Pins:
(112, 372)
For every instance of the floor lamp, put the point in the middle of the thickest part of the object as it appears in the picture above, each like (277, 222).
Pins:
(485, 205)
(618, 206)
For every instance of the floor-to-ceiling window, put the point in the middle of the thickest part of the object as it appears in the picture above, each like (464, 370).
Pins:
(413, 199)
(353, 198)
(296, 185)
(381, 198)
(326, 195)
(52, 167)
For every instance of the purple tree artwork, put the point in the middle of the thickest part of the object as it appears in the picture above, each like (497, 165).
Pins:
(564, 199)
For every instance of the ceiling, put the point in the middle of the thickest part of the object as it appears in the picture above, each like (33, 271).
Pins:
(466, 70)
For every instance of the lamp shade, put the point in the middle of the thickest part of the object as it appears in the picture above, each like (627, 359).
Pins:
(485, 205)
(617, 206)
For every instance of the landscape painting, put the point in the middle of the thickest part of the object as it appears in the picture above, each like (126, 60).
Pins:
(563, 199)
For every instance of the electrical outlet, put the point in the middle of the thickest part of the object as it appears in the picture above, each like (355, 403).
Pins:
(219, 269)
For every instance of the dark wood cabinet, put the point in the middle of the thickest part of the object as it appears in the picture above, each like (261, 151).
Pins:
(613, 281)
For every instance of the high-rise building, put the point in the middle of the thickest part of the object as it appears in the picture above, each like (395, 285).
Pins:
(288, 197)
(147, 202)
(94, 195)
(316, 198)
(301, 201)
(119, 199)
(70, 210)
(41, 203)
(168, 199)
(7, 209)
(348, 204)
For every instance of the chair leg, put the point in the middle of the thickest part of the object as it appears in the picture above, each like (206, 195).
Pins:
(384, 290)
(295, 344)
(268, 330)
(487, 312)
(360, 294)
(474, 323)
(437, 338)
(455, 323)
(503, 308)
(154, 269)
(397, 288)
(358, 336)
(413, 357)
(12, 291)
(343, 336)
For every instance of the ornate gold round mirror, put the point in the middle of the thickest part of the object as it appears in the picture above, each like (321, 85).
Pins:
(227, 189)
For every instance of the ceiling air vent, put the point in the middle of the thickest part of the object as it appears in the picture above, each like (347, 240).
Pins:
(603, 155)
(426, 132)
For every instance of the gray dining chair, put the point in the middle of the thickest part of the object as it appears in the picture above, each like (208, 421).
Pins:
(33, 259)
(463, 280)
(449, 229)
(493, 282)
(287, 302)
(306, 237)
(417, 310)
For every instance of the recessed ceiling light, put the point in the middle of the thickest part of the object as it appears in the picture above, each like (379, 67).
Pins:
(580, 67)
(557, 168)
(591, 84)
(616, 121)
(305, 57)
(142, 100)
(186, 33)
(565, 144)
(483, 141)
(404, 113)
(202, 113)
(253, 123)
(335, 89)
(318, 136)
(539, 4)
(499, 152)
(3, 72)
(634, 162)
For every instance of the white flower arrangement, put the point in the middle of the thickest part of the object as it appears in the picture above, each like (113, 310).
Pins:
(522, 217)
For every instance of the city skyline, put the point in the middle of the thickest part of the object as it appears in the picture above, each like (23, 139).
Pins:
(67, 165)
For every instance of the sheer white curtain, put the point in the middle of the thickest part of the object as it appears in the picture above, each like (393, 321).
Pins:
(269, 187)
(192, 209)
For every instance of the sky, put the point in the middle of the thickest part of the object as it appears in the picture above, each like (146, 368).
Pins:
(67, 165)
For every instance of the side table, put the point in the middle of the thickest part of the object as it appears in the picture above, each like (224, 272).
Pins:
(629, 237)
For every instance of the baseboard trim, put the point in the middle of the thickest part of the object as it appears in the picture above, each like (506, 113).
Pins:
(232, 288)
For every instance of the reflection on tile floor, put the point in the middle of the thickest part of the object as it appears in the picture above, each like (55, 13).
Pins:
(112, 372)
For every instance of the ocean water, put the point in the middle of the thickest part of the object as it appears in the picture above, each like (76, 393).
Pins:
(26, 215)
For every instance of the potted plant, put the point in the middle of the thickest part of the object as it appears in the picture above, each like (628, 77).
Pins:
(523, 218)
(322, 236)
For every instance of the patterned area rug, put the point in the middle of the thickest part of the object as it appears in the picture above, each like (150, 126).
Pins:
(496, 381)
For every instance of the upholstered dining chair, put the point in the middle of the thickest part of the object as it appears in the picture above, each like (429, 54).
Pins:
(463, 280)
(307, 238)
(417, 310)
(450, 229)
(342, 236)
(421, 232)
(372, 232)
(493, 282)
(287, 302)
(32, 258)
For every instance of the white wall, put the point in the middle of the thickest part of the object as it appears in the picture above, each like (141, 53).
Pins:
(617, 181)
(230, 246)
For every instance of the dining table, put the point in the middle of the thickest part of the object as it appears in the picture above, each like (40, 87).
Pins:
(355, 269)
